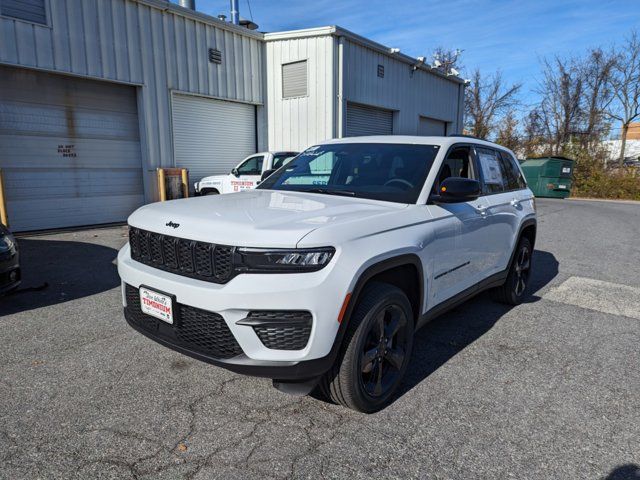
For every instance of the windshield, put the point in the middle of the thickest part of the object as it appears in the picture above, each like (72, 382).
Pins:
(380, 171)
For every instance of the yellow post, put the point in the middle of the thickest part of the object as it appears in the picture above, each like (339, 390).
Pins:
(3, 205)
(185, 182)
(162, 189)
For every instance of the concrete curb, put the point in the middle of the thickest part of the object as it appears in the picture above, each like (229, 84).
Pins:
(608, 200)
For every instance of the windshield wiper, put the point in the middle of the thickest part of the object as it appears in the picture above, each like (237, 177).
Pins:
(344, 193)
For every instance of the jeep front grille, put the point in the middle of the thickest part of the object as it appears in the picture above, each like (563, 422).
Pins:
(201, 260)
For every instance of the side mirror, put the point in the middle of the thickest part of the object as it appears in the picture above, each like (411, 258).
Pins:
(457, 190)
(266, 173)
(234, 172)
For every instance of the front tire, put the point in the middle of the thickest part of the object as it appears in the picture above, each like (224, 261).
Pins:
(375, 352)
(514, 288)
(210, 191)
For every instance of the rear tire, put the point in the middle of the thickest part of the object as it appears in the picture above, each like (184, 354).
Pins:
(513, 291)
(375, 351)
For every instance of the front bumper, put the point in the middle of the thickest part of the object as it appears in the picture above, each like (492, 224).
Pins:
(319, 293)
(10, 274)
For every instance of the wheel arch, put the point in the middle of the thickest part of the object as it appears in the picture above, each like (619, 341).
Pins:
(528, 229)
(394, 271)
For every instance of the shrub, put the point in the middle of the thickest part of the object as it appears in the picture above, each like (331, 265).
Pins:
(593, 179)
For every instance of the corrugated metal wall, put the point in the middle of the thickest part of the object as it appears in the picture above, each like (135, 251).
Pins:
(297, 123)
(411, 95)
(140, 43)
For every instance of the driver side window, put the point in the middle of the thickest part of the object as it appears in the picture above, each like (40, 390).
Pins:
(457, 164)
(251, 166)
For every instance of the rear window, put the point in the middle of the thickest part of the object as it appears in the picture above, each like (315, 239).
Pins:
(515, 180)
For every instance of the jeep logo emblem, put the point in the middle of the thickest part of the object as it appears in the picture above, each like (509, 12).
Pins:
(173, 225)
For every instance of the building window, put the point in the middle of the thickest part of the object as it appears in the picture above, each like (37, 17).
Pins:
(294, 79)
(381, 71)
(29, 10)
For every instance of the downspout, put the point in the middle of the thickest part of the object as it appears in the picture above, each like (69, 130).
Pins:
(461, 87)
(341, 102)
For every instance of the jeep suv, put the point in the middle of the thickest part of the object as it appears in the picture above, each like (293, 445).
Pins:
(320, 277)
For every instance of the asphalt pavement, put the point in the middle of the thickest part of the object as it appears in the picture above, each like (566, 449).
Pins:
(549, 389)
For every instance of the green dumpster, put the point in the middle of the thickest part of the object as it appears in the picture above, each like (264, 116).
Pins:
(549, 176)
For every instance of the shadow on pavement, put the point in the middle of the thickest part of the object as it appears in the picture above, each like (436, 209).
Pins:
(625, 472)
(71, 269)
(444, 337)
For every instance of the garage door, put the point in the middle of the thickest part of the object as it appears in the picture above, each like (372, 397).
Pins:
(365, 120)
(210, 137)
(429, 126)
(69, 150)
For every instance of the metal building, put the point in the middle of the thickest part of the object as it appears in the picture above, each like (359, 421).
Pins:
(329, 82)
(96, 94)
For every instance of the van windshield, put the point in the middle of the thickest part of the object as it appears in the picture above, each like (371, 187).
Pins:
(391, 172)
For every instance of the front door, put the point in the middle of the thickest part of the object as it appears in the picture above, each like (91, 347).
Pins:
(247, 174)
(458, 261)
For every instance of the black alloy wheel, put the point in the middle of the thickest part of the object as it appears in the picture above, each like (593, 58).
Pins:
(384, 351)
(375, 350)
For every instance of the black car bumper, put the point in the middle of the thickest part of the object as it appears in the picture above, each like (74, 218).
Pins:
(10, 275)
(167, 335)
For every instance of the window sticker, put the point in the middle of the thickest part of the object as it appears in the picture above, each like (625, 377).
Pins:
(491, 169)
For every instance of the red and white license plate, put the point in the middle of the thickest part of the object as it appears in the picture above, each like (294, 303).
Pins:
(156, 304)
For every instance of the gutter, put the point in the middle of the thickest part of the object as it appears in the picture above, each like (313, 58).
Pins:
(167, 6)
(360, 40)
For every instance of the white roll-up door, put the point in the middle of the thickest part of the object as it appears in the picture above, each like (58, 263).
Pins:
(210, 137)
(69, 150)
(430, 126)
(365, 120)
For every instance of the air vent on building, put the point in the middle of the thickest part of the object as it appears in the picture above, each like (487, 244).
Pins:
(215, 56)
(294, 79)
(381, 71)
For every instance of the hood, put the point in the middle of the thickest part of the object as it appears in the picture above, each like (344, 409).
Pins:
(256, 218)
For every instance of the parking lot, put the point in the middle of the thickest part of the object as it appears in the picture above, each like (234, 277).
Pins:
(549, 389)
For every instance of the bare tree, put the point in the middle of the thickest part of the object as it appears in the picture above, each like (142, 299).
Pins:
(626, 88)
(534, 141)
(486, 100)
(447, 61)
(561, 107)
(597, 70)
(508, 135)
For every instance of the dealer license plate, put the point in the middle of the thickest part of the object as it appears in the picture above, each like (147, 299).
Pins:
(156, 304)
(563, 187)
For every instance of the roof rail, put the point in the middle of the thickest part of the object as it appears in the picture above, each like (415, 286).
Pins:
(466, 136)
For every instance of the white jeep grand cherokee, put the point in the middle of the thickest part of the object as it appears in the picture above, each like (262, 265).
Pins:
(321, 276)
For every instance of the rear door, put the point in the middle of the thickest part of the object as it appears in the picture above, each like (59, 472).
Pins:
(502, 187)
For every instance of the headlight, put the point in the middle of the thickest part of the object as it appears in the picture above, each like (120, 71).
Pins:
(6, 243)
(260, 260)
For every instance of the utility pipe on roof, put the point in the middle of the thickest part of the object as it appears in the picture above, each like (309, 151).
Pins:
(190, 4)
(235, 12)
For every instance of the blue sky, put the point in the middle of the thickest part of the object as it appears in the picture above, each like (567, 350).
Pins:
(508, 35)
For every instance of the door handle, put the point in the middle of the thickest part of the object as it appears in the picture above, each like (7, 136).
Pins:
(481, 209)
(515, 202)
